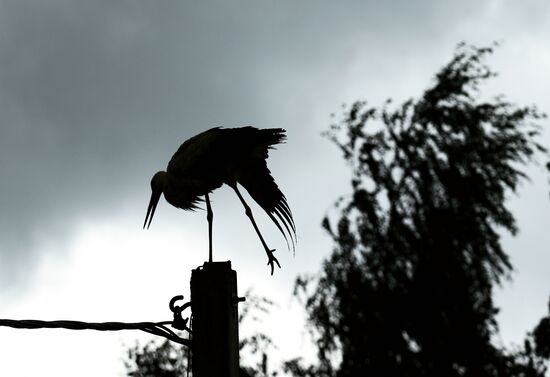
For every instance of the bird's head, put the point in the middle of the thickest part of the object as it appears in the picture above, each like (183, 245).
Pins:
(158, 183)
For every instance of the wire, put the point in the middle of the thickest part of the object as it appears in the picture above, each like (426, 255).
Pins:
(155, 328)
(190, 350)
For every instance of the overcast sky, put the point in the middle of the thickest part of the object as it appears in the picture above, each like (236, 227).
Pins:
(95, 96)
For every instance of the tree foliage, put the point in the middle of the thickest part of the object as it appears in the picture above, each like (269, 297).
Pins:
(157, 360)
(408, 290)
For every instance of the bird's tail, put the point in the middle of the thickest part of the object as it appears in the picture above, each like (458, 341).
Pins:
(272, 136)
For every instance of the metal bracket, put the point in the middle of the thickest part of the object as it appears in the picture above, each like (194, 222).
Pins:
(179, 322)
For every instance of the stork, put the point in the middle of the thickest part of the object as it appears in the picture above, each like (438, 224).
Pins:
(231, 156)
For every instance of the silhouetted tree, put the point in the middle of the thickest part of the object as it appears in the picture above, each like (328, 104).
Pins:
(167, 359)
(408, 289)
(157, 360)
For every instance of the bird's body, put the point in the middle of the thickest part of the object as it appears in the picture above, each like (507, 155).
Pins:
(231, 156)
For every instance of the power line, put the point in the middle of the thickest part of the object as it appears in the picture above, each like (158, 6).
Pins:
(155, 328)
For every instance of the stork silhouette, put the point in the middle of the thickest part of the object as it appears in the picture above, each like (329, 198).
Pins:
(231, 156)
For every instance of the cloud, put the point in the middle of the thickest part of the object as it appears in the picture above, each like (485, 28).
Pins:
(95, 96)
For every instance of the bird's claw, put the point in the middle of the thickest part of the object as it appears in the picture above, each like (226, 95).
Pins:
(271, 259)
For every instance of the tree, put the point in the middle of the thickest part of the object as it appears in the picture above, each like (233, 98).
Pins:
(157, 360)
(408, 289)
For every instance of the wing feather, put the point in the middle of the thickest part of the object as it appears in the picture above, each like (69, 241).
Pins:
(261, 186)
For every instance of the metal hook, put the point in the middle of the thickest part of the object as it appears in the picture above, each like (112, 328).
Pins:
(179, 322)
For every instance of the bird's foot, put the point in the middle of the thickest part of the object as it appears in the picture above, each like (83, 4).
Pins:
(271, 259)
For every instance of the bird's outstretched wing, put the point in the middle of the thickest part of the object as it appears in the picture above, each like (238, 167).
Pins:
(230, 155)
(257, 180)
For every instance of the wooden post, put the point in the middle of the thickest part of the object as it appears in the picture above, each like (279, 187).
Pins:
(215, 342)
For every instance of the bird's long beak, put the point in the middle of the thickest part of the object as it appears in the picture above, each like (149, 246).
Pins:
(155, 196)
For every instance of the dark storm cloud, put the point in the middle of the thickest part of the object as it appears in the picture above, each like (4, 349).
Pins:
(92, 93)
(95, 95)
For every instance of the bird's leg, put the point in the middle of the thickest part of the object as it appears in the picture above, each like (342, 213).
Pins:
(209, 217)
(271, 258)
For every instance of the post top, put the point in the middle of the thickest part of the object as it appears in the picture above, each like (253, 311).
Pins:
(215, 266)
